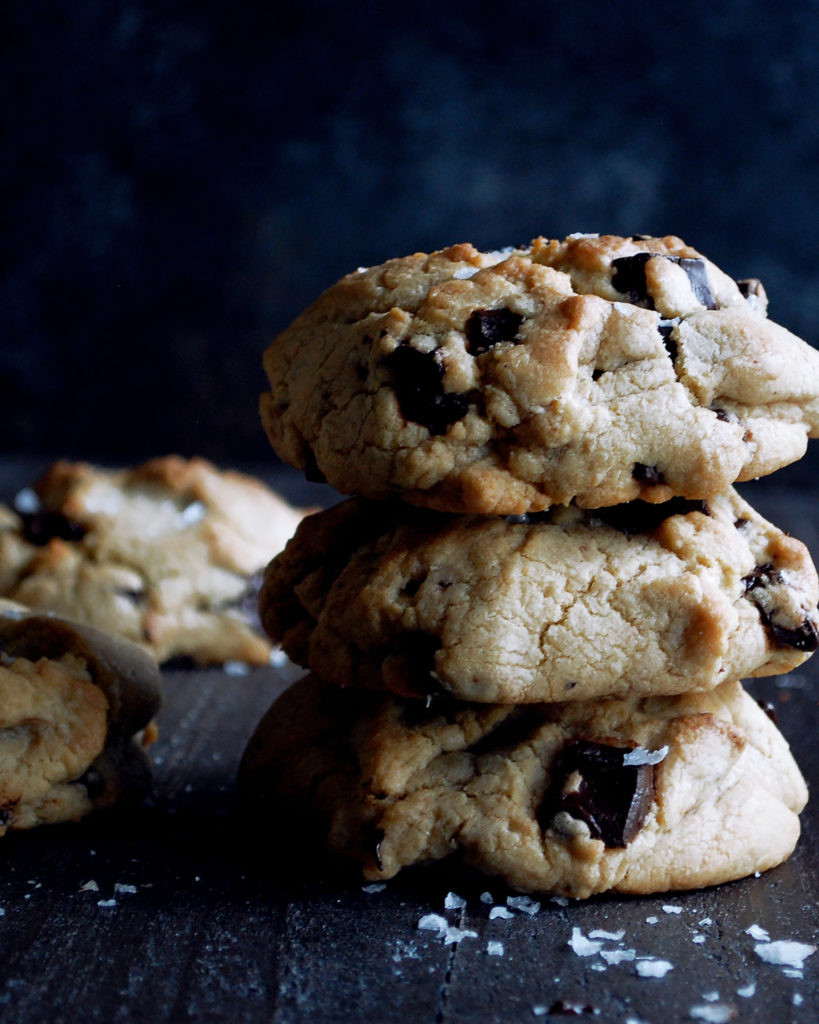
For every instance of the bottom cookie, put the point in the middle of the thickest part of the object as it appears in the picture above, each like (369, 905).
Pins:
(76, 709)
(635, 795)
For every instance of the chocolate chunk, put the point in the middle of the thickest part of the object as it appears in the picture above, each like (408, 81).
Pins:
(762, 576)
(420, 392)
(644, 516)
(666, 328)
(487, 328)
(41, 527)
(646, 474)
(419, 650)
(597, 374)
(697, 275)
(803, 638)
(590, 782)
(630, 278)
(752, 287)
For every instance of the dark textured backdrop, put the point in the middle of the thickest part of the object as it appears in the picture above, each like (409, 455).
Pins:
(182, 178)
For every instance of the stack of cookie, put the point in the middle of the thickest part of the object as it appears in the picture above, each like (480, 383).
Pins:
(526, 631)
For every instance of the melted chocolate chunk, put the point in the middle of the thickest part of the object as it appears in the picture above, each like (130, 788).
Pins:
(666, 329)
(644, 516)
(419, 390)
(590, 782)
(803, 638)
(646, 474)
(41, 527)
(762, 576)
(630, 278)
(487, 328)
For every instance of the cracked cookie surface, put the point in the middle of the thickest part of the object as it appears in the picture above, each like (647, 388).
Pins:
(638, 795)
(168, 554)
(598, 369)
(76, 708)
(565, 605)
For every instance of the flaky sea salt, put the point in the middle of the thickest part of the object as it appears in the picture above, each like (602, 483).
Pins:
(599, 933)
(90, 886)
(747, 990)
(784, 953)
(583, 946)
(433, 923)
(494, 948)
(669, 908)
(124, 888)
(374, 887)
(716, 1013)
(236, 668)
(106, 903)
(757, 933)
(487, 897)
(618, 956)
(500, 912)
(653, 968)
(640, 756)
(452, 901)
(525, 904)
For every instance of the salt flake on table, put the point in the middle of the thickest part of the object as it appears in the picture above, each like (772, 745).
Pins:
(784, 953)
(583, 946)
(90, 886)
(452, 901)
(501, 912)
(523, 903)
(757, 933)
(494, 948)
(669, 908)
(106, 903)
(716, 1013)
(792, 972)
(652, 919)
(618, 956)
(487, 897)
(433, 923)
(374, 887)
(747, 991)
(124, 888)
(698, 938)
(599, 933)
(653, 968)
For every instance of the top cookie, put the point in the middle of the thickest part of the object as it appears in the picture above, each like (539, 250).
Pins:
(168, 554)
(598, 369)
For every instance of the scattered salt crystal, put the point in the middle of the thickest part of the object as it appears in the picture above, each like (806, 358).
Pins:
(784, 952)
(716, 1013)
(635, 1020)
(452, 901)
(277, 658)
(123, 887)
(747, 991)
(757, 933)
(710, 997)
(652, 919)
(487, 897)
(374, 887)
(698, 938)
(540, 1011)
(523, 903)
(463, 273)
(618, 956)
(192, 513)
(598, 933)
(501, 912)
(705, 922)
(27, 501)
(361, 270)
(653, 968)
(494, 948)
(797, 999)
(454, 935)
(791, 972)
(583, 946)
(598, 967)
(106, 903)
(90, 887)
(433, 923)
(668, 908)
(561, 901)
(236, 668)
(640, 756)
(2, 911)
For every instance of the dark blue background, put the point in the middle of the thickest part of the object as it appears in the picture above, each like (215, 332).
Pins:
(182, 178)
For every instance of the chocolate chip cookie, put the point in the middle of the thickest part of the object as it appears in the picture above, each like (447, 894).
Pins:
(597, 370)
(168, 554)
(638, 795)
(76, 708)
(565, 604)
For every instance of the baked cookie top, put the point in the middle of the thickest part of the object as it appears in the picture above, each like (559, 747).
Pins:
(565, 604)
(637, 795)
(76, 706)
(598, 369)
(168, 554)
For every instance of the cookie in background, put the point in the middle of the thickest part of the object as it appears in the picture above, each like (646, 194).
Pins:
(168, 554)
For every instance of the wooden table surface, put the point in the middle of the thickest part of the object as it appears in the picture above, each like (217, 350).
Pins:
(179, 912)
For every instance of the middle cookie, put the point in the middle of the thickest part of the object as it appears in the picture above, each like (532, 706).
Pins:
(567, 604)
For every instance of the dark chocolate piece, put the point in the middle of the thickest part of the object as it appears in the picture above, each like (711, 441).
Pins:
(666, 328)
(804, 637)
(646, 474)
(487, 328)
(630, 278)
(752, 287)
(419, 389)
(644, 516)
(591, 782)
(41, 527)
(762, 576)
